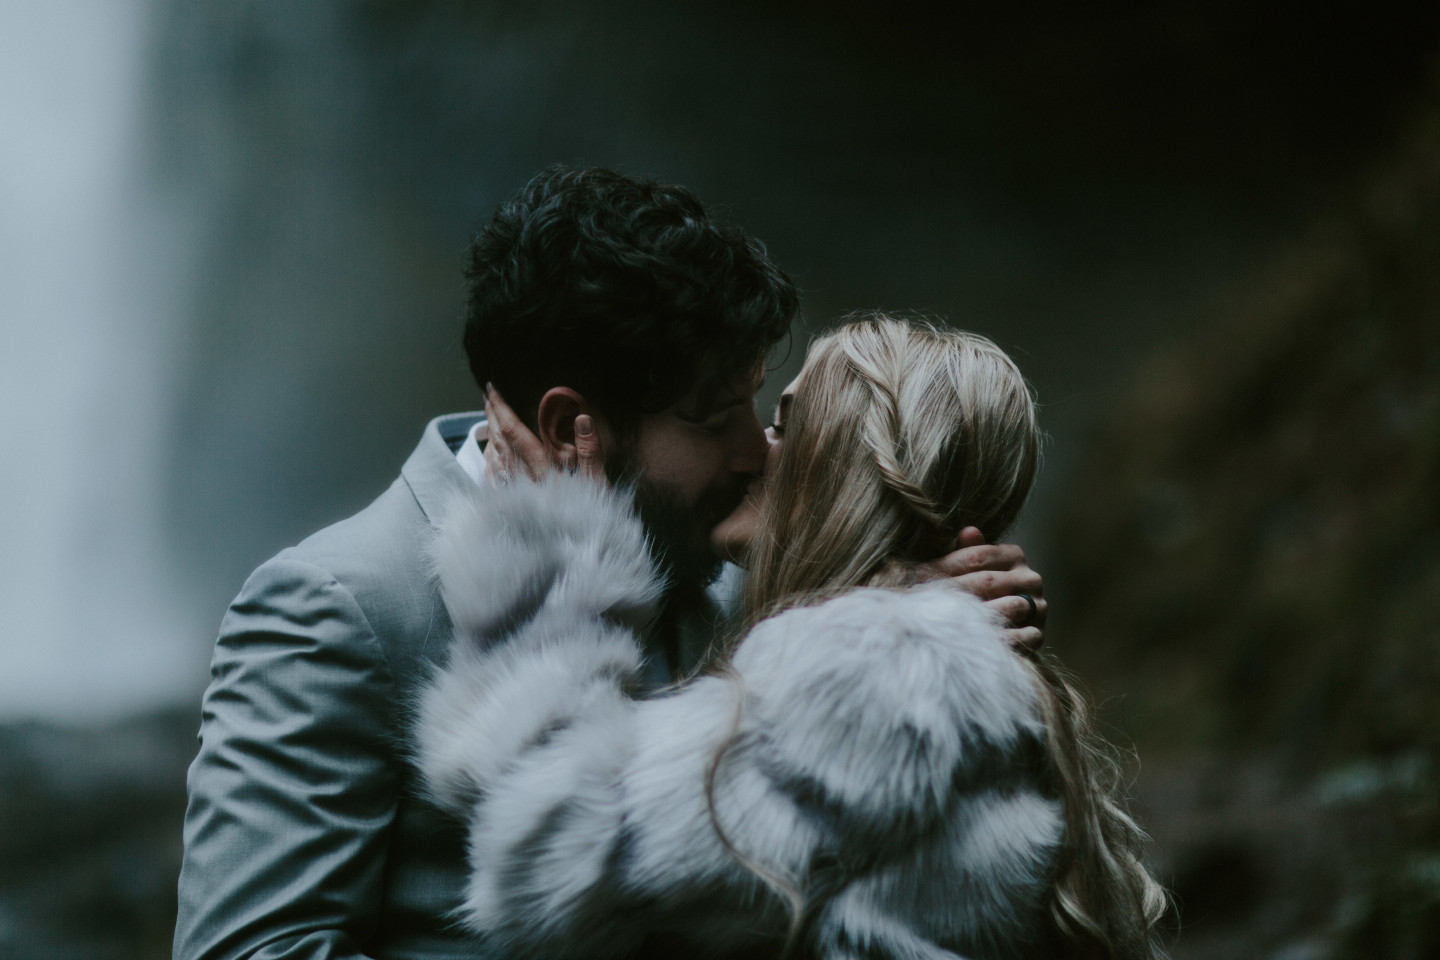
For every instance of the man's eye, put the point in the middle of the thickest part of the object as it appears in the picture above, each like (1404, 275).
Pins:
(714, 423)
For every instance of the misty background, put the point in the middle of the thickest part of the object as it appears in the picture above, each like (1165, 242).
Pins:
(230, 245)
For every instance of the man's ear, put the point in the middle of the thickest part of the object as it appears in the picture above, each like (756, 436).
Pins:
(555, 424)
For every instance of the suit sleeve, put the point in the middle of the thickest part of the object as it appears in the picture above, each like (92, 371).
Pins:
(293, 792)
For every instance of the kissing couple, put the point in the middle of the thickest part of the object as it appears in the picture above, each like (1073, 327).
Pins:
(499, 714)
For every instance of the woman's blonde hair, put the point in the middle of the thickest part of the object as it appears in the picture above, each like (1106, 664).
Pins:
(901, 434)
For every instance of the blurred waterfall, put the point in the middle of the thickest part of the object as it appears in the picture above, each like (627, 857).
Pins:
(93, 269)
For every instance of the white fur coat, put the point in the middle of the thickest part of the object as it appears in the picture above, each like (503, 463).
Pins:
(887, 756)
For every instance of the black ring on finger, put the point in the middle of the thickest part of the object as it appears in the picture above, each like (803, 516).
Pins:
(1029, 617)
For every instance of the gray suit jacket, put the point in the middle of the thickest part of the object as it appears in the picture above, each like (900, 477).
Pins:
(305, 834)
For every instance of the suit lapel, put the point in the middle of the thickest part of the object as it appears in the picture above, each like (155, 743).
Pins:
(431, 473)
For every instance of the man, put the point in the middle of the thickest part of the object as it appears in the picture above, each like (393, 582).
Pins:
(597, 302)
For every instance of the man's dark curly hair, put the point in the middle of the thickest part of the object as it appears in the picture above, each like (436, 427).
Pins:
(621, 288)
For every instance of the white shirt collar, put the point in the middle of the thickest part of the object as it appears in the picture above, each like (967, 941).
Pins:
(470, 456)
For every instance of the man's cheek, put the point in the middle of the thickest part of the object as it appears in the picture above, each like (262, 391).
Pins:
(722, 500)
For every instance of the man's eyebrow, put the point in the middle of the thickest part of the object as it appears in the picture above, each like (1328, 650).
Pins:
(719, 397)
(723, 399)
(709, 410)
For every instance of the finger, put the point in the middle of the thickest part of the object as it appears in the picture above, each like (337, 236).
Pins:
(1026, 641)
(519, 446)
(589, 459)
(500, 418)
(498, 461)
(500, 450)
(993, 584)
(1016, 610)
(997, 556)
(970, 537)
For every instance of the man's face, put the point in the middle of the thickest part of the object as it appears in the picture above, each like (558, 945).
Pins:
(692, 463)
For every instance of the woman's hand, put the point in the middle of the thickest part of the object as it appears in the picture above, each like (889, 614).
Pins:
(513, 450)
(999, 575)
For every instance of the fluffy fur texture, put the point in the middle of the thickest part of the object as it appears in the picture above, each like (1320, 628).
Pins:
(887, 756)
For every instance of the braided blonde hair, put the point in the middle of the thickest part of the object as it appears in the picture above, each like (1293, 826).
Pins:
(900, 435)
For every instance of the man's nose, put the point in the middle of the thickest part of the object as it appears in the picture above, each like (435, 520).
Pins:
(751, 449)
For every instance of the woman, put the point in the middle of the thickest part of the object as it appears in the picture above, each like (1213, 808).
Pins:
(869, 770)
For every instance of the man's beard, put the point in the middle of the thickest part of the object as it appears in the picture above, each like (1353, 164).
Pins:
(679, 532)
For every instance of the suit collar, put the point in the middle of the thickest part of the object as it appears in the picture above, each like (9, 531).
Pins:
(431, 472)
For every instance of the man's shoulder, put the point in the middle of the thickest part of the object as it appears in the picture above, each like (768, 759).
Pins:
(377, 558)
(371, 550)
(382, 547)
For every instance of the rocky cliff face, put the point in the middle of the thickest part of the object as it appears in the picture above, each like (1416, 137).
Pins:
(1254, 554)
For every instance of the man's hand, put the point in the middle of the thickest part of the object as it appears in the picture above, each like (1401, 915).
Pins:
(999, 575)
(513, 450)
